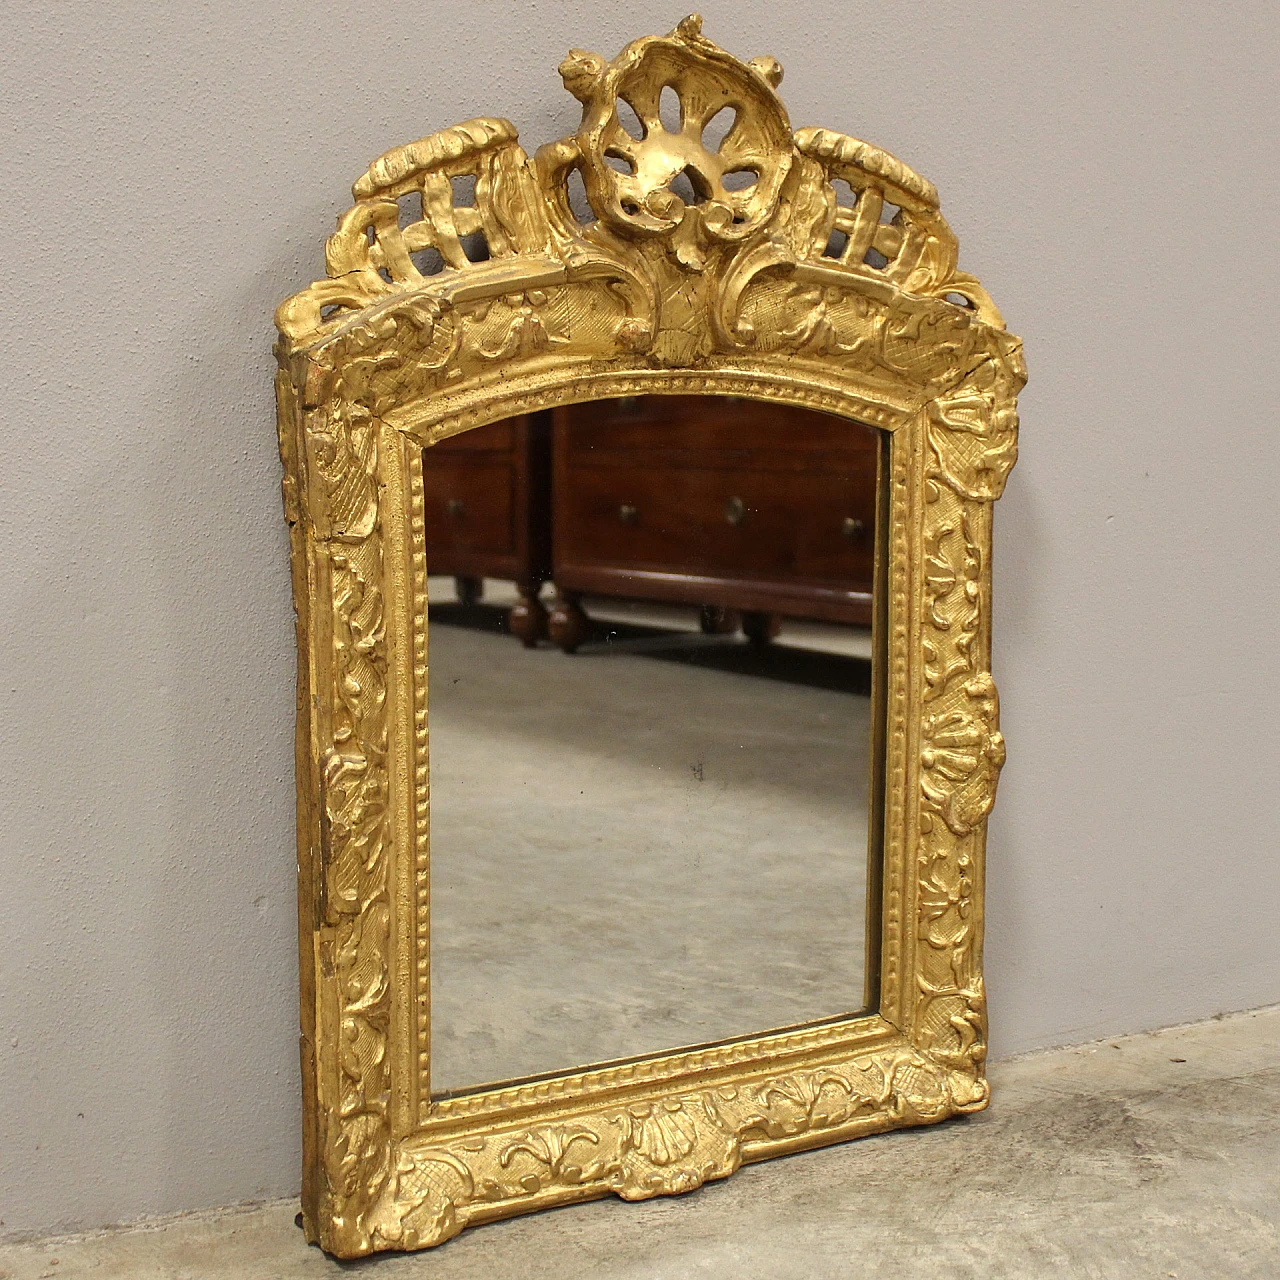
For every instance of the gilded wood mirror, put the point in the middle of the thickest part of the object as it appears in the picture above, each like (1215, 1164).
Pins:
(705, 404)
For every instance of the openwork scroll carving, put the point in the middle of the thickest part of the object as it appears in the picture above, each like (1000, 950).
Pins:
(466, 285)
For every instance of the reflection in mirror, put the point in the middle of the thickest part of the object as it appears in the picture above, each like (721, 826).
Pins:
(654, 777)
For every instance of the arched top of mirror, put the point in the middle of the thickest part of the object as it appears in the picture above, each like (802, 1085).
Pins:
(712, 249)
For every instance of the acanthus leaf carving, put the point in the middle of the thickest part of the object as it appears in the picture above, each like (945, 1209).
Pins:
(973, 428)
(527, 332)
(551, 1146)
(953, 568)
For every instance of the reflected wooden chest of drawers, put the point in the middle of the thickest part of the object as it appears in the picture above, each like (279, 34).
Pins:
(753, 511)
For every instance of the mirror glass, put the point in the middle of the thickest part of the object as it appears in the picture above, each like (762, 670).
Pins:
(653, 718)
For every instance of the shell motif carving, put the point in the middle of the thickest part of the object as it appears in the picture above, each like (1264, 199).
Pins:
(962, 757)
(641, 200)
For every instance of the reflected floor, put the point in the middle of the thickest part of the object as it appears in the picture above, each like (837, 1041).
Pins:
(641, 846)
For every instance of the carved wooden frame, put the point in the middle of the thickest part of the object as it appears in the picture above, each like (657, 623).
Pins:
(787, 288)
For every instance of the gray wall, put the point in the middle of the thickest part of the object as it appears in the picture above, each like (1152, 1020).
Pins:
(172, 170)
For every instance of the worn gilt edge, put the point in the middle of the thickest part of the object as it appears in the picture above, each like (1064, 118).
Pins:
(288, 425)
(954, 444)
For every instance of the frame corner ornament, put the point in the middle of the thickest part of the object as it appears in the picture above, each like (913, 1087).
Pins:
(439, 313)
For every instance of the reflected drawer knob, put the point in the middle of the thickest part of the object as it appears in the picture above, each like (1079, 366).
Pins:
(454, 507)
(627, 513)
(735, 511)
(852, 527)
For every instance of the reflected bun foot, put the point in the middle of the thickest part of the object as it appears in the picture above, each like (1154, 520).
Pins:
(568, 625)
(760, 628)
(527, 620)
(716, 621)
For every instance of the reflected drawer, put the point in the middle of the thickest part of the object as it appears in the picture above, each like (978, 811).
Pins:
(468, 504)
(793, 526)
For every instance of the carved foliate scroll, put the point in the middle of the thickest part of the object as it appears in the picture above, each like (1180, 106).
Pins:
(712, 250)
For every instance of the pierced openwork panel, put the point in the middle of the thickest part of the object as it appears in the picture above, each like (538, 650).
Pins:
(719, 252)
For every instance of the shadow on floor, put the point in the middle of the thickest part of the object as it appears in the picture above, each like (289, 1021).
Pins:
(841, 673)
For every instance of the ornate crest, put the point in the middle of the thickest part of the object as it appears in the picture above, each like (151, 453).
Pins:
(713, 249)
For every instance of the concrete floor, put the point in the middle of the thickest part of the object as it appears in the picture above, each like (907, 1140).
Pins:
(1135, 1159)
(640, 846)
